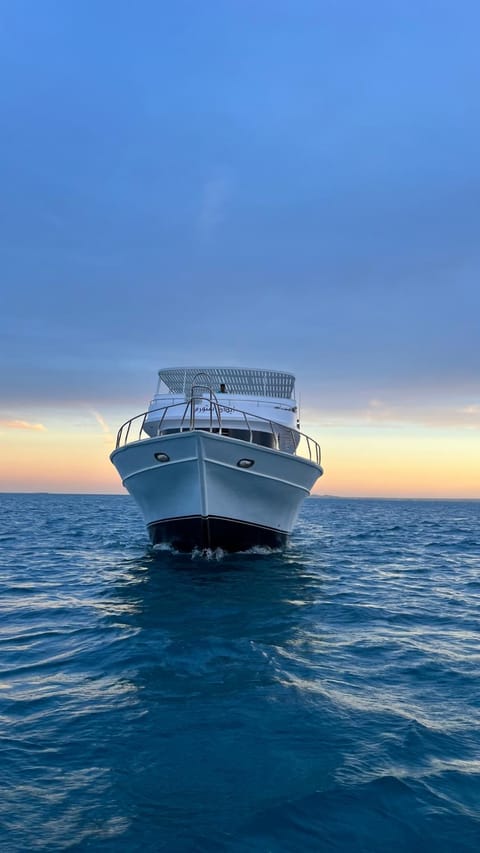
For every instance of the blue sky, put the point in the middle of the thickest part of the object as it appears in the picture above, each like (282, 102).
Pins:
(278, 184)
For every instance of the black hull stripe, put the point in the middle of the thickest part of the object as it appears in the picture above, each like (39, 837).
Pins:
(196, 531)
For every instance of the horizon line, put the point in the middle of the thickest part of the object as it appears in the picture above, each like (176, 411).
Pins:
(314, 496)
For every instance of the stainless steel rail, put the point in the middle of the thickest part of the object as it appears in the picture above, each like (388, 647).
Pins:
(188, 422)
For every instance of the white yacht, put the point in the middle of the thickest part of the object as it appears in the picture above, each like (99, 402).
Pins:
(218, 460)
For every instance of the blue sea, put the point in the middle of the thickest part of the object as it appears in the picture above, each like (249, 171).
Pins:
(323, 699)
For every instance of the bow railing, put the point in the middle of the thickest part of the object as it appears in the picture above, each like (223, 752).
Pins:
(284, 438)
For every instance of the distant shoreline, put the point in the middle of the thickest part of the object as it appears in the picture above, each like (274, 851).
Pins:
(310, 497)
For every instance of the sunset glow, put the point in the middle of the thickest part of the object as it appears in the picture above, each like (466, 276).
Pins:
(71, 454)
(408, 463)
(293, 188)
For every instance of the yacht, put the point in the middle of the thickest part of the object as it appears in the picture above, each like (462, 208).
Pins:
(218, 459)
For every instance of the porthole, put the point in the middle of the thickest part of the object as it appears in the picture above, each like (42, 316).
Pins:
(162, 457)
(245, 463)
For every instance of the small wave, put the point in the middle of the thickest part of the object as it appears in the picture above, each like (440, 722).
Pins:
(262, 551)
(208, 554)
(164, 546)
(344, 671)
(216, 553)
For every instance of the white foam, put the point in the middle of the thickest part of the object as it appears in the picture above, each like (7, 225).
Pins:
(263, 550)
(164, 546)
(207, 554)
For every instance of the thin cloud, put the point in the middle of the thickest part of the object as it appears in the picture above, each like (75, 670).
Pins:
(103, 424)
(100, 420)
(213, 206)
(391, 415)
(22, 425)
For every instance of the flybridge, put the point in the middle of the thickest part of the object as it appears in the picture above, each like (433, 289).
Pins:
(230, 380)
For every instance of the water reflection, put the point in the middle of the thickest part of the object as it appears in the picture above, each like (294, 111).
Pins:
(238, 594)
(200, 643)
(165, 702)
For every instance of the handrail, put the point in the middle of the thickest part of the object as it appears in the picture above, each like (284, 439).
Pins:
(314, 451)
(214, 404)
(250, 434)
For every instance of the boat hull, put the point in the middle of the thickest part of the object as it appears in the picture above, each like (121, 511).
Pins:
(199, 496)
(211, 532)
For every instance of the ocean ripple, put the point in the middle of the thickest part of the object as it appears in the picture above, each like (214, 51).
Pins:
(325, 698)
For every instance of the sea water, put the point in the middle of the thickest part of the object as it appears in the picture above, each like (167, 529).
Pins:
(323, 699)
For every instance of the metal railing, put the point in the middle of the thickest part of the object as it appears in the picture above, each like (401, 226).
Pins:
(134, 429)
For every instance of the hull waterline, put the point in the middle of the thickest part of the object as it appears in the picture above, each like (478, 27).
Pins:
(199, 496)
(210, 533)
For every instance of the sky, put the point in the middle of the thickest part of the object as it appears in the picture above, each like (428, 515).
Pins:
(290, 185)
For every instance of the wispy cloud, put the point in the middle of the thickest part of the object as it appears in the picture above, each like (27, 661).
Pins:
(391, 414)
(215, 194)
(16, 424)
(103, 424)
(440, 415)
